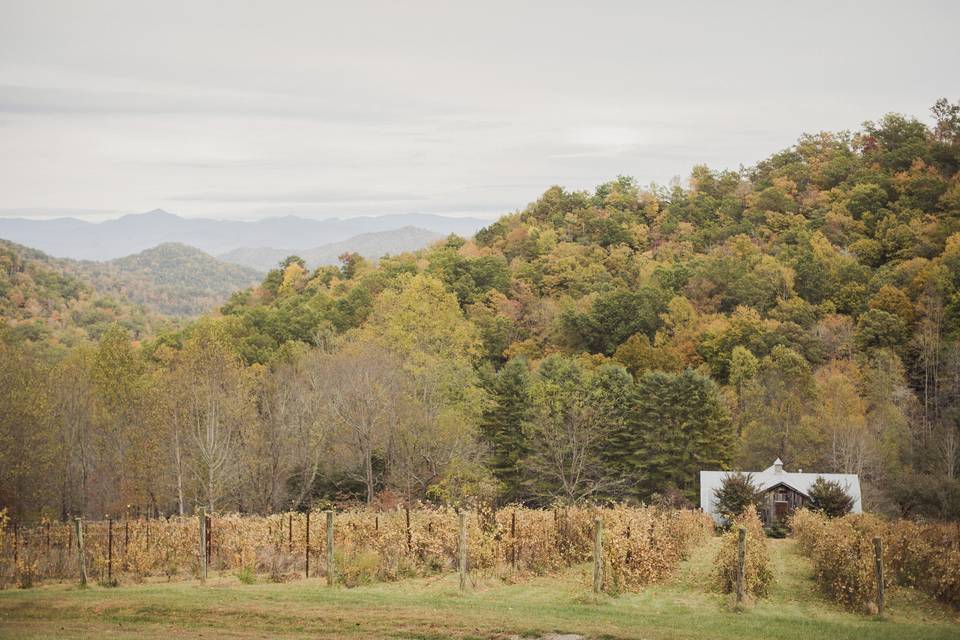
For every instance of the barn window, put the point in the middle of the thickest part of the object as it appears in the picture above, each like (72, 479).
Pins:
(781, 495)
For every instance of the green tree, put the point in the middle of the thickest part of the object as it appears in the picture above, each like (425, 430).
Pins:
(676, 426)
(775, 412)
(502, 426)
(879, 329)
(737, 493)
(830, 498)
(568, 434)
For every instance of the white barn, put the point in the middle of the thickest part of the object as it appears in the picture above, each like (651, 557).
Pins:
(783, 491)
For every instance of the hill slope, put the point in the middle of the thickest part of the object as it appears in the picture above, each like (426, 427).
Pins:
(371, 245)
(171, 278)
(44, 300)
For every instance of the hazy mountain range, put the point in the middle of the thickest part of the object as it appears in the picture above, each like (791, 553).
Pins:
(163, 261)
(82, 240)
(370, 245)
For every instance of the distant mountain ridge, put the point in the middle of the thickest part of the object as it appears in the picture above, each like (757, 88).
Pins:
(371, 245)
(171, 278)
(82, 240)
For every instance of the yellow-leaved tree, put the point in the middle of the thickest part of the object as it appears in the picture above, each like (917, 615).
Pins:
(422, 324)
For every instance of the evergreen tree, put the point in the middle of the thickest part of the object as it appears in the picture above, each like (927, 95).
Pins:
(830, 498)
(677, 425)
(502, 425)
(736, 494)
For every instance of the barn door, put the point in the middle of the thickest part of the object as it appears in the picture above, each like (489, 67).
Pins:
(781, 510)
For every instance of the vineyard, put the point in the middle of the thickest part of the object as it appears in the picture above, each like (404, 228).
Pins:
(641, 545)
(842, 550)
(757, 574)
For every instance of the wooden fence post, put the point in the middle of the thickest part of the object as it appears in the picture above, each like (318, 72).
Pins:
(307, 569)
(330, 566)
(597, 554)
(203, 544)
(81, 557)
(878, 561)
(462, 563)
(409, 537)
(741, 560)
(513, 539)
(209, 537)
(16, 543)
(290, 533)
(110, 550)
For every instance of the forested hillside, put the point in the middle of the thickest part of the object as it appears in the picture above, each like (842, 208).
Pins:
(171, 278)
(605, 344)
(43, 302)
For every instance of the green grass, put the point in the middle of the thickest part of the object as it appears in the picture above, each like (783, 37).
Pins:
(433, 608)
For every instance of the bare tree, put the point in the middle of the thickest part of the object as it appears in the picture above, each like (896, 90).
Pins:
(364, 389)
(73, 406)
(215, 399)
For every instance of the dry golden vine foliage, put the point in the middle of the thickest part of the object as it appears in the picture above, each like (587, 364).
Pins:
(646, 545)
(642, 544)
(924, 556)
(756, 567)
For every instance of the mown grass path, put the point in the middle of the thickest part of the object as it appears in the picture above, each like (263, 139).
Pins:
(433, 608)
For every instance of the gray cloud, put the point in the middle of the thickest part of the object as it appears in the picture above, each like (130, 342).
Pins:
(330, 196)
(382, 107)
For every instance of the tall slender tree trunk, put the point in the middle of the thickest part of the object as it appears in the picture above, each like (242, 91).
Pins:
(368, 464)
(178, 454)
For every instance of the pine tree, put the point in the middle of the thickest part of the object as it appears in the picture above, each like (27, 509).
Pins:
(677, 426)
(503, 422)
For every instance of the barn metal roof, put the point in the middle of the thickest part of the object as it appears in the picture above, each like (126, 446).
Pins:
(770, 477)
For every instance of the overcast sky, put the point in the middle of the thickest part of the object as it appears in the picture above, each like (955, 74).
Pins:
(253, 109)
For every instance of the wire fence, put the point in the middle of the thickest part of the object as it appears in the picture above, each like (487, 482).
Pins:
(644, 543)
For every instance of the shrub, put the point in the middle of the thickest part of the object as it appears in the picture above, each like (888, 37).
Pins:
(641, 546)
(842, 555)
(777, 530)
(737, 495)
(360, 567)
(246, 575)
(923, 556)
(830, 498)
(757, 573)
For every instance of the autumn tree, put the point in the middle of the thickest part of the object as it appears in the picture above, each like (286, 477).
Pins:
(567, 433)
(214, 391)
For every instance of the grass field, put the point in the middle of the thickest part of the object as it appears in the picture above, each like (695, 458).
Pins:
(434, 608)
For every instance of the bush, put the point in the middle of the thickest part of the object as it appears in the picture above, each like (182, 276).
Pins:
(842, 555)
(357, 568)
(246, 575)
(777, 530)
(830, 498)
(923, 556)
(737, 495)
(641, 546)
(757, 573)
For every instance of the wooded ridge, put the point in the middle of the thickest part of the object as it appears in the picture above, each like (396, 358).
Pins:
(594, 345)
